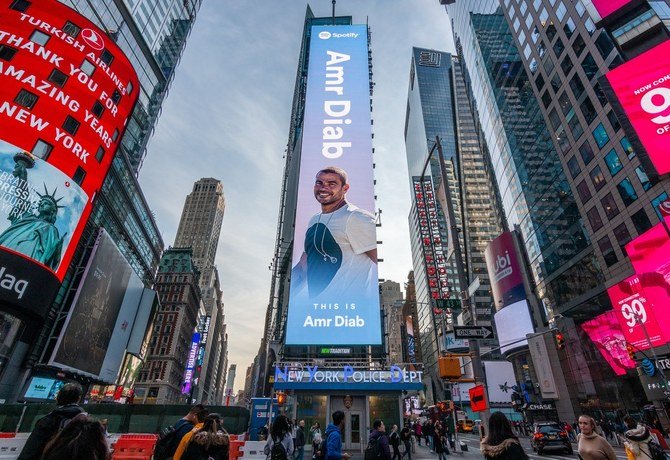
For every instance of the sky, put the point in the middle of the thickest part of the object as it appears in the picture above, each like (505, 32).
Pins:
(227, 116)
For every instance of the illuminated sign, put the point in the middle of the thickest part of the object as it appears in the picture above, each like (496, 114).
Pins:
(634, 309)
(605, 332)
(66, 93)
(477, 399)
(334, 297)
(43, 388)
(642, 86)
(434, 257)
(190, 364)
(346, 377)
(504, 271)
(513, 323)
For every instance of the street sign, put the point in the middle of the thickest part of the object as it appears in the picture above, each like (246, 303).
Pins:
(443, 304)
(473, 332)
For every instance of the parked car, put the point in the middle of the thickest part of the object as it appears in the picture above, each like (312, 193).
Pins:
(550, 436)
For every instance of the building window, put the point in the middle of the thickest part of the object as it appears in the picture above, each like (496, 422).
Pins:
(627, 191)
(559, 47)
(575, 125)
(627, 148)
(573, 167)
(57, 77)
(594, 219)
(26, 99)
(564, 102)
(87, 67)
(569, 27)
(600, 135)
(584, 191)
(586, 152)
(588, 111)
(589, 66)
(644, 179)
(99, 154)
(578, 45)
(656, 202)
(604, 44)
(97, 109)
(20, 5)
(71, 29)
(613, 163)
(40, 38)
(7, 52)
(546, 99)
(79, 175)
(116, 96)
(622, 236)
(597, 177)
(609, 205)
(614, 120)
(106, 57)
(42, 149)
(641, 221)
(554, 119)
(130, 87)
(600, 95)
(71, 125)
(576, 86)
(607, 251)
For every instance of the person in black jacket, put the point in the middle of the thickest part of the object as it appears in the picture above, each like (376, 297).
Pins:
(394, 440)
(210, 442)
(378, 434)
(82, 439)
(501, 443)
(299, 441)
(52, 423)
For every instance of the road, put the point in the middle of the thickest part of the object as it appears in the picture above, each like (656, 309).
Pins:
(472, 441)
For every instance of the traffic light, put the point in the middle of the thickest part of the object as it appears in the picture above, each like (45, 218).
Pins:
(449, 367)
(560, 341)
(631, 351)
(281, 398)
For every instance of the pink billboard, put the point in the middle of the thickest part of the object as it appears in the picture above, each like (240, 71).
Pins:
(605, 332)
(642, 86)
(639, 302)
(504, 271)
(607, 7)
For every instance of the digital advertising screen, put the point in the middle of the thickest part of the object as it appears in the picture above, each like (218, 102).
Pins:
(334, 297)
(504, 271)
(634, 308)
(66, 93)
(43, 388)
(642, 87)
(605, 332)
(513, 323)
(97, 330)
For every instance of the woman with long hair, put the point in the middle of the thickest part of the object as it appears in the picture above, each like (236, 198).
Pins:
(590, 445)
(500, 442)
(280, 432)
(83, 438)
(209, 442)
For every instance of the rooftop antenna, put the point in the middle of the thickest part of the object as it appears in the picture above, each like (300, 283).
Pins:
(334, 1)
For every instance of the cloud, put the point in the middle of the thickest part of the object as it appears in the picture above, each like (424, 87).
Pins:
(227, 116)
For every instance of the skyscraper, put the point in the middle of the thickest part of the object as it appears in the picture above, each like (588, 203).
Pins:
(438, 105)
(199, 229)
(392, 302)
(569, 177)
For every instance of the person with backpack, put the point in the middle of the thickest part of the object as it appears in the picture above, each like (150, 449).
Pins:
(186, 439)
(331, 447)
(639, 441)
(83, 438)
(418, 432)
(394, 441)
(279, 445)
(378, 443)
(211, 442)
(170, 438)
(51, 424)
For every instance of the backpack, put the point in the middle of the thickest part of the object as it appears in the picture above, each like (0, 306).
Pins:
(656, 450)
(395, 439)
(165, 446)
(322, 448)
(373, 451)
(278, 451)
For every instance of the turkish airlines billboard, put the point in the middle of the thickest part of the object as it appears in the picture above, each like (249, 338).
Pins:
(66, 93)
(642, 87)
(334, 294)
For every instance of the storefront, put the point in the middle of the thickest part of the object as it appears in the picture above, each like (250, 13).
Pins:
(364, 395)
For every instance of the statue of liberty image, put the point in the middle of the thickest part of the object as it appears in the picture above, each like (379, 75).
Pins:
(30, 233)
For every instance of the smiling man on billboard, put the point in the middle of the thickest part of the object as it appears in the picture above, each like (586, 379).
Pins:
(340, 243)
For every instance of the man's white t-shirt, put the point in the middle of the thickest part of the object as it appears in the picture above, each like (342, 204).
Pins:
(335, 245)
